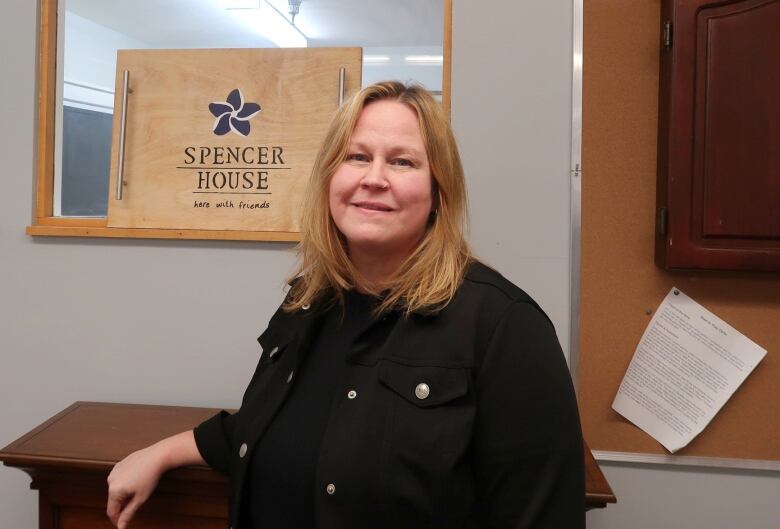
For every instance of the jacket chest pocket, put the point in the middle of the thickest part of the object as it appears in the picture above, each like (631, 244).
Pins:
(431, 416)
(432, 407)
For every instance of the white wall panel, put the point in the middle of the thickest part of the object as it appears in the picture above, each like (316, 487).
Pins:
(511, 111)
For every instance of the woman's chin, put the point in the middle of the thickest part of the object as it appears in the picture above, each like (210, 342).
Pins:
(376, 244)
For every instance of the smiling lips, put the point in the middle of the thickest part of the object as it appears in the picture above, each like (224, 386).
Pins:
(373, 206)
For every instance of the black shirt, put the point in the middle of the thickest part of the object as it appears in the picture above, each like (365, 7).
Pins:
(282, 475)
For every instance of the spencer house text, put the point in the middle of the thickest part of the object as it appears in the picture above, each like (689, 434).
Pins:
(234, 168)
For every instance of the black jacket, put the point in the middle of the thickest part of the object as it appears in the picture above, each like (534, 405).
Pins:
(494, 442)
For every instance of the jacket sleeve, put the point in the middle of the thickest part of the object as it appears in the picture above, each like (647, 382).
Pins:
(214, 439)
(528, 453)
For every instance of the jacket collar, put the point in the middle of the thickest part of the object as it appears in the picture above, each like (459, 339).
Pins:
(296, 331)
(292, 330)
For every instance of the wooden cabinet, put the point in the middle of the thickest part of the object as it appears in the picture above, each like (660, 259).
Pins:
(69, 457)
(718, 194)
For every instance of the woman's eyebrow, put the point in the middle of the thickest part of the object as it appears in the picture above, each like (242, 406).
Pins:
(408, 150)
(402, 148)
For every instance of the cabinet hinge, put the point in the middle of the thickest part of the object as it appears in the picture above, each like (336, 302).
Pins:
(663, 217)
(667, 34)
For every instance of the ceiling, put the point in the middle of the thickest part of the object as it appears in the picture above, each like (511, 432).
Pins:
(193, 23)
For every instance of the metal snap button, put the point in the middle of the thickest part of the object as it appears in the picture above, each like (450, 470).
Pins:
(306, 306)
(352, 394)
(242, 450)
(289, 377)
(422, 391)
(331, 489)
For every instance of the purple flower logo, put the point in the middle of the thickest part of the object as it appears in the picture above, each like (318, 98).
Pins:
(233, 114)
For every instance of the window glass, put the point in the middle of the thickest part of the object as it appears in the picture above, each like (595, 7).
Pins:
(401, 39)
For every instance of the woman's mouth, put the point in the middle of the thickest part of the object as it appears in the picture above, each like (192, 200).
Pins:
(372, 206)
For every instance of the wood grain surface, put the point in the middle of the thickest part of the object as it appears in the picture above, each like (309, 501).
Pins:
(180, 174)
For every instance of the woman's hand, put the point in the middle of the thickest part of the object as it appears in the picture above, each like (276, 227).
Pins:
(131, 482)
(133, 479)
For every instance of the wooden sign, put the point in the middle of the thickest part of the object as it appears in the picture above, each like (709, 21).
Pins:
(222, 139)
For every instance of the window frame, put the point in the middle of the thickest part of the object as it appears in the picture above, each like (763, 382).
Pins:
(44, 223)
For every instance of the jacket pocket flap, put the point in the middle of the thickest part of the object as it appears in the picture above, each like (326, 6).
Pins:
(424, 386)
(273, 343)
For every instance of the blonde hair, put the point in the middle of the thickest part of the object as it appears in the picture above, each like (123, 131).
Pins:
(429, 277)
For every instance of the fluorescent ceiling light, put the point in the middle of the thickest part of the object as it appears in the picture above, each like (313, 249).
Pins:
(376, 59)
(266, 20)
(239, 4)
(424, 59)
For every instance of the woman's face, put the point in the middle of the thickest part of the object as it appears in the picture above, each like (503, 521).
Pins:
(380, 196)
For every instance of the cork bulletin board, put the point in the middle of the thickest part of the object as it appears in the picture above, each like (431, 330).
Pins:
(620, 286)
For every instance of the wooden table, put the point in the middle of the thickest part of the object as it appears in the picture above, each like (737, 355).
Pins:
(69, 457)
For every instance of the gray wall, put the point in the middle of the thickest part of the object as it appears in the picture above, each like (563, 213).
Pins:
(175, 322)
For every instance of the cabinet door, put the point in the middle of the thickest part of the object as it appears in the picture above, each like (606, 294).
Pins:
(719, 137)
(222, 139)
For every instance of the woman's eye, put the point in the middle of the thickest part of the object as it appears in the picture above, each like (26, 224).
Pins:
(403, 162)
(357, 157)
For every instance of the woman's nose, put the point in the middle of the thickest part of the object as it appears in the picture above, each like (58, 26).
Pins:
(375, 175)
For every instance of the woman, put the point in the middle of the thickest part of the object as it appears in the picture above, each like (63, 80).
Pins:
(402, 383)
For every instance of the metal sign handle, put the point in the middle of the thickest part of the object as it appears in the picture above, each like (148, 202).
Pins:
(120, 177)
(342, 75)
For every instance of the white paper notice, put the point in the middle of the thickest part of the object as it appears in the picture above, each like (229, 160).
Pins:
(687, 365)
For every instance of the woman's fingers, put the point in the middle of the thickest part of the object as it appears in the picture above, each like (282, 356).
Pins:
(127, 513)
(115, 506)
(122, 507)
(125, 494)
